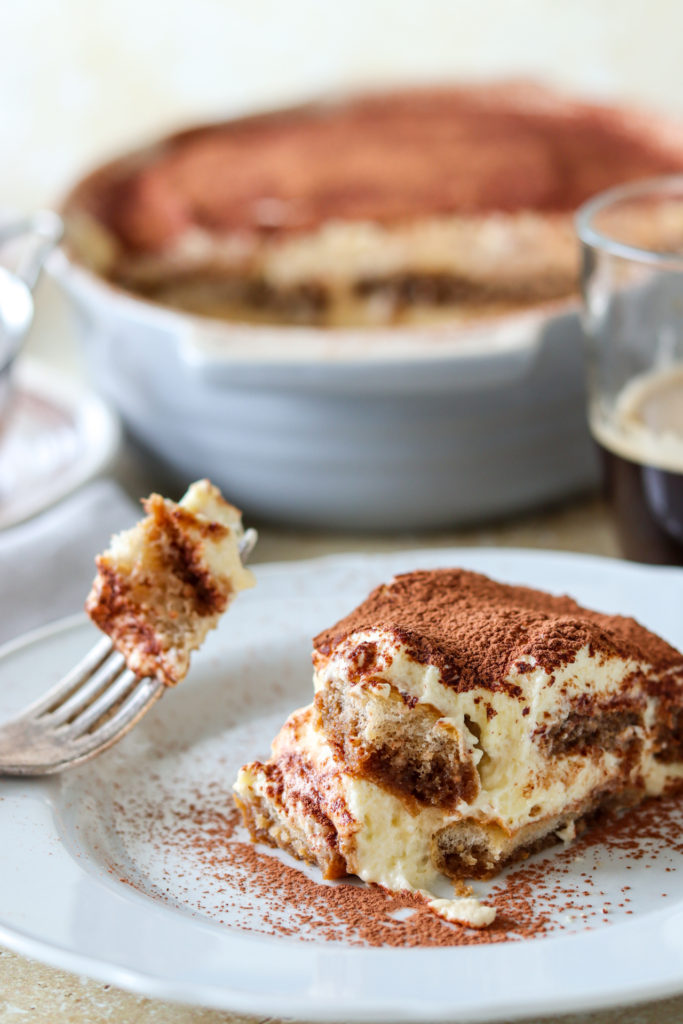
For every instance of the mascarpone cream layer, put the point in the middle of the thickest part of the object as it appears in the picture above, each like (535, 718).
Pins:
(222, 554)
(500, 728)
(386, 840)
(380, 841)
(502, 248)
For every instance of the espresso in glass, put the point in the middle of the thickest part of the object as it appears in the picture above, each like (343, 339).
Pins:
(641, 443)
(632, 286)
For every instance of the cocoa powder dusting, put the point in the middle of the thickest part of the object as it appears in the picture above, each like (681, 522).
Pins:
(475, 629)
(387, 158)
(212, 869)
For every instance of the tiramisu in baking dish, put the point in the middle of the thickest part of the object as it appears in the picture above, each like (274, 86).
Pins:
(459, 723)
(409, 207)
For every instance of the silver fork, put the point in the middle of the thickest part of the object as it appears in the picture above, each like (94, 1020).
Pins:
(88, 710)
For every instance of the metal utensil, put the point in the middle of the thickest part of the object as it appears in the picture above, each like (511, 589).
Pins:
(88, 710)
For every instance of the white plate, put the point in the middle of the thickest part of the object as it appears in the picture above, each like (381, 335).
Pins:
(87, 884)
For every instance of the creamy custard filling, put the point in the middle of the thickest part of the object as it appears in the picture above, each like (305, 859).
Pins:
(507, 251)
(383, 841)
(459, 723)
(501, 730)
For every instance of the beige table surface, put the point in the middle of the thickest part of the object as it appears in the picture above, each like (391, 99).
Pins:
(42, 995)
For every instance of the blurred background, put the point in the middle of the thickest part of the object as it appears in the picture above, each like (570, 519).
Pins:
(81, 80)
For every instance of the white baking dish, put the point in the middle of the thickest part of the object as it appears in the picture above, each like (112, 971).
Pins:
(375, 428)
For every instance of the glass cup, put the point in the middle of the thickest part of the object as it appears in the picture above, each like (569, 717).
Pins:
(632, 284)
(36, 235)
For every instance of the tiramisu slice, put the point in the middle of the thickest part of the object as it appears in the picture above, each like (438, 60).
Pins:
(459, 723)
(161, 586)
(405, 207)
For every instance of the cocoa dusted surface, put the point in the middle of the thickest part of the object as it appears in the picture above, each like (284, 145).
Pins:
(387, 158)
(475, 629)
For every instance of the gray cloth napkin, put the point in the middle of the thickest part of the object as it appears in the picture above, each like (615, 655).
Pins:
(47, 563)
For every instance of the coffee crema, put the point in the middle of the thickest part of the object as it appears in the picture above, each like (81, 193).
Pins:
(641, 444)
